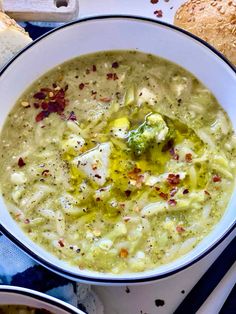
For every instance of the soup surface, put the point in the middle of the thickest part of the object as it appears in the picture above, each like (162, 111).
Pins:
(117, 161)
(21, 309)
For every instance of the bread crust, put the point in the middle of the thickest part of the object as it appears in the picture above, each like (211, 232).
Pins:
(7, 22)
(212, 20)
(12, 38)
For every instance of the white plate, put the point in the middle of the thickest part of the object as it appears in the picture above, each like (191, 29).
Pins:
(109, 34)
(11, 295)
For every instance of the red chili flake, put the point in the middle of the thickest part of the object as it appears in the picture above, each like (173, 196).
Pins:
(56, 104)
(81, 86)
(158, 13)
(44, 105)
(164, 195)
(66, 87)
(94, 68)
(60, 93)
(93, 92)
(39, 95)
(42, 115)
(45, 173)
(172, 202)
(216, 178)
(54, 85)
(53, 106)
(133, 174)
(180, 229)
(188, 157)
(154, 1)
(112, 76)
(115, 77)
(173, 179)
(207, 193)
(61, 243)
(157, 188)
(109, 76)
(72, 116)
(185, 191)
(123, 253)
(137, 170)
(21, 162)
(173, 191)
(128, 192)
(26, 221)
(115, 65)
(98, 199)
(105, 99)
(173, 154)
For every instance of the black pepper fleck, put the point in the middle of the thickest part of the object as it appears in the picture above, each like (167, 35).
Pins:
(159, 302)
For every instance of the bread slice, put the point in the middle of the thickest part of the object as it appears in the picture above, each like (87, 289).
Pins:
(212, 20)
(12, 38)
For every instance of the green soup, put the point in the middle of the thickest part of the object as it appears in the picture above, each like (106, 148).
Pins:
(117, 161)
(21, 309)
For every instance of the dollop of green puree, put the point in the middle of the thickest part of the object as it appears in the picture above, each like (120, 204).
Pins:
(117, 161)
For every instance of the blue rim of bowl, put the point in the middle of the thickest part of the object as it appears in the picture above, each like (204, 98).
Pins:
(118, 281)
(34, 295)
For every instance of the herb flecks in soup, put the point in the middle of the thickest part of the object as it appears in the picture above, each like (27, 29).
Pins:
(117, 162)
(21, 309)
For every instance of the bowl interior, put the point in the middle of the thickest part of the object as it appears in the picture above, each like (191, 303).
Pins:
(117, 33)
(19, 296)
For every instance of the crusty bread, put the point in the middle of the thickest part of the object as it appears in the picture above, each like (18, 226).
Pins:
(12, 38)
(212, 20)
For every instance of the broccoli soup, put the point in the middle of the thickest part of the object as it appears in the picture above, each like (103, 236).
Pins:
(21, 309)
(117, 161)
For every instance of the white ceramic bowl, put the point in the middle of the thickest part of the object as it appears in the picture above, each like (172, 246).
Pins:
(109, 33)
(11, 295)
